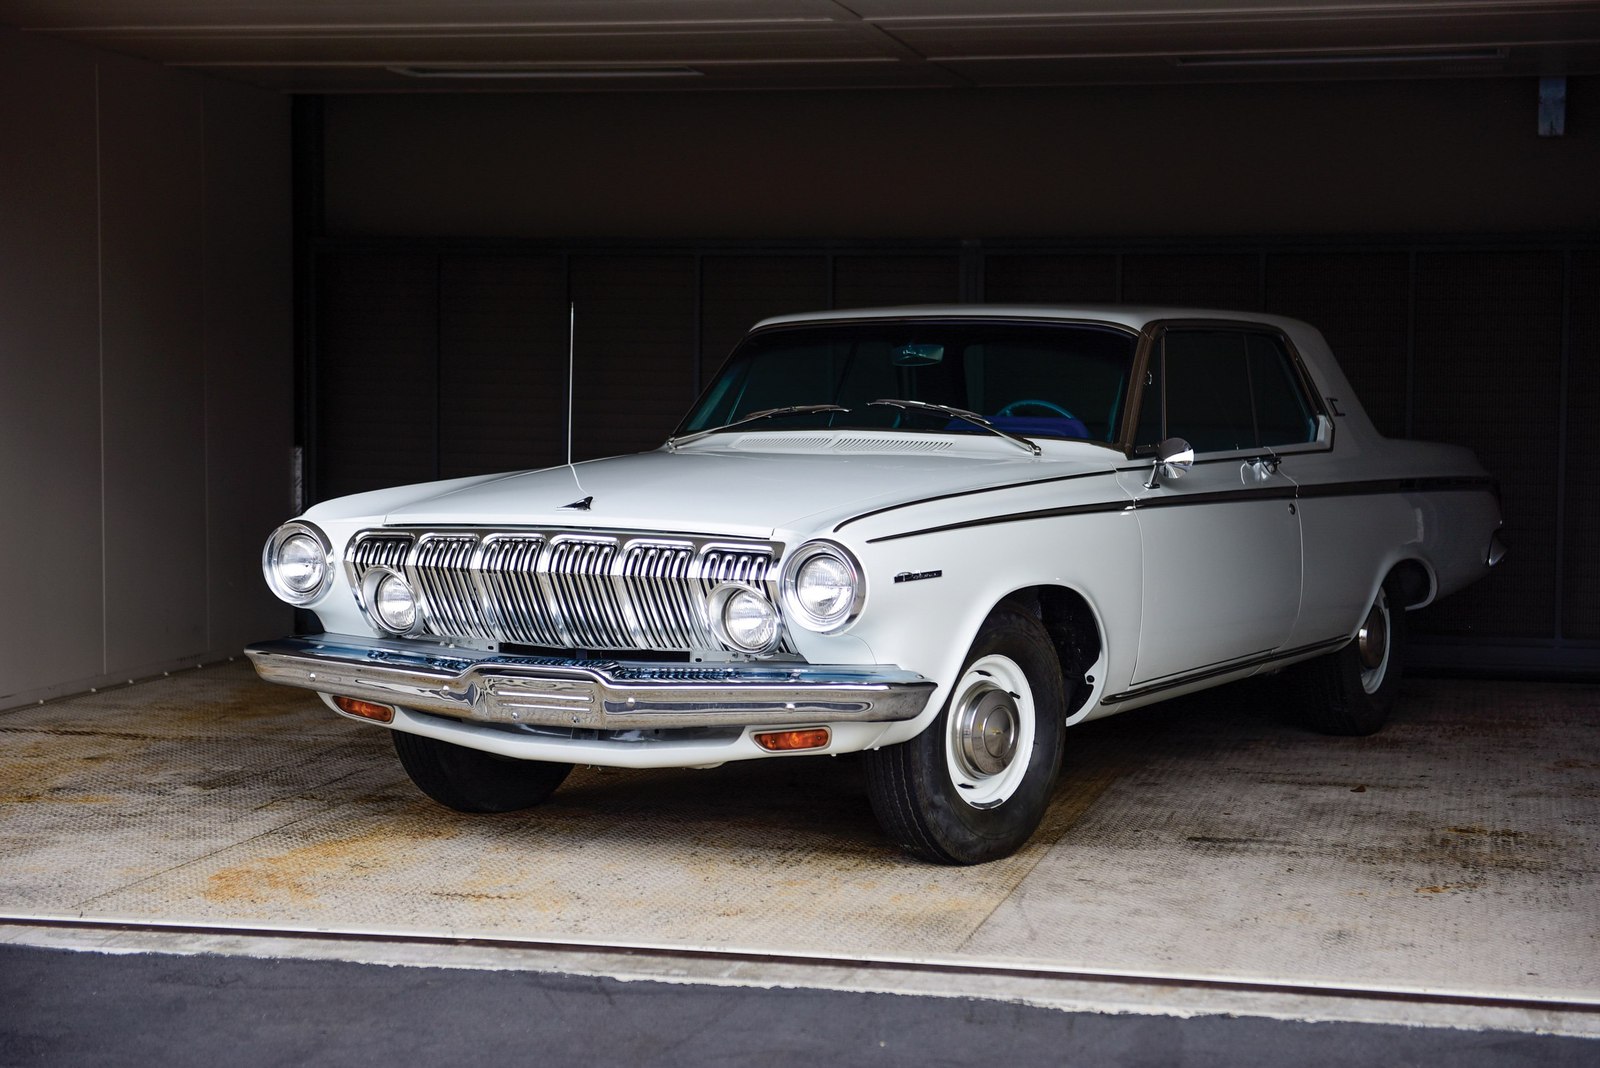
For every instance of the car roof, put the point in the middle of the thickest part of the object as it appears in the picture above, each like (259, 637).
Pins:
(1133, 316)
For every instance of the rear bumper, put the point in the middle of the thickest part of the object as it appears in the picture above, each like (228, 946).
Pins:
(494, 688)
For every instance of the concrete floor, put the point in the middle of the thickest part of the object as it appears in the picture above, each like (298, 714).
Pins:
(1200, 858)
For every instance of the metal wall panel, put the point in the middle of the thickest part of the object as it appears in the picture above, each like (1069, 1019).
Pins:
(1193, 279)
(376, 371)
(1047, 279)
(502, 363)
(892, 281)
(50, 586)
(635, 350)
(1580, 559)
(153, 364)
(249, 346)
(1360, 301)
(739, 291)
(1488, 376)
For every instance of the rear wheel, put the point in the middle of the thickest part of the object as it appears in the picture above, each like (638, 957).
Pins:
(469, 780)
(974, 786)
(1352, 691)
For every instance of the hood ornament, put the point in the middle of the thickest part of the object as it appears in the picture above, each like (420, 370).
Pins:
(582, 506)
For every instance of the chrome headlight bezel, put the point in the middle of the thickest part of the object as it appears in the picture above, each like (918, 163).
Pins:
(272, 559)
(371, 584)
(789, 587)
(717, 606)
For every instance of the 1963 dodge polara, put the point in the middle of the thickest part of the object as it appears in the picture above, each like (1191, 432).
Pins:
(937, 536)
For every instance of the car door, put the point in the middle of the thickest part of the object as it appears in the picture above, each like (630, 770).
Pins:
(1221, 544)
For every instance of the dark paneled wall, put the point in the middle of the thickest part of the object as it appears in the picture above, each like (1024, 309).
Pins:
(146, 404)
(1113, 162)
(452, 361)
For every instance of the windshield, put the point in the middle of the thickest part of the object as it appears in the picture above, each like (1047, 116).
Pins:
(1039, 380)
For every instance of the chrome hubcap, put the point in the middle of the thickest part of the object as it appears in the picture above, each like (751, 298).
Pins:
(988, 737)
(1374, 638)
(1372, 645)
(986, 732)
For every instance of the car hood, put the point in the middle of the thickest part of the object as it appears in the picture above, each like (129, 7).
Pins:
(723, 491)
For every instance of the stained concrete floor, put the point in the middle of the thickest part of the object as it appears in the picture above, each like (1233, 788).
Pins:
(1203, 857)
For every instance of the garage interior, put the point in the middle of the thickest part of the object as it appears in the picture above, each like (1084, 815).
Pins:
(259, 255)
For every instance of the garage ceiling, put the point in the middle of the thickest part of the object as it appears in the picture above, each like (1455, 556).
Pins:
(332, 46)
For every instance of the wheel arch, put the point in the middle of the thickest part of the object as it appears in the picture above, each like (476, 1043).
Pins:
(1075, 632)
(1414, 580)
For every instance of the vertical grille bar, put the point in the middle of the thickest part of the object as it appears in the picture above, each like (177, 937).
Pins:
(368, 551)
(441, 571)
(507, 569)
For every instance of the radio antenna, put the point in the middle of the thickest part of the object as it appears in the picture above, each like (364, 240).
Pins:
(572, 332)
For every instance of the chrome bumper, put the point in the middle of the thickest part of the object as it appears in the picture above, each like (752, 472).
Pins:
(602, 694)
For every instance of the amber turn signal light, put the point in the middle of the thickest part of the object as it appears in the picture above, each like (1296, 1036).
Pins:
(365, 709)
(791, 741)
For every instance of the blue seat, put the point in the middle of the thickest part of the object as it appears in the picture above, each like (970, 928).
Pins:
(1050, 426)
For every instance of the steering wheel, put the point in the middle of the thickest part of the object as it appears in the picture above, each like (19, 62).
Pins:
(1029, 402)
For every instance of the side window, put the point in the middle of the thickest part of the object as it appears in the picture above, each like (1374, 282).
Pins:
(1224, 390)
(1283, 415)
(1208, 390)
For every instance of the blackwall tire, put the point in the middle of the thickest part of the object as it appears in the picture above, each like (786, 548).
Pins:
(974, 786)
(1352, 692)
(469, 780)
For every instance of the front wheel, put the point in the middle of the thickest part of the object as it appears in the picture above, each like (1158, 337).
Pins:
(1352, 691)
(974, 786)
(469, 780)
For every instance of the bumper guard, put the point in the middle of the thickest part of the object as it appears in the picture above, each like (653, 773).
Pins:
(485, 687)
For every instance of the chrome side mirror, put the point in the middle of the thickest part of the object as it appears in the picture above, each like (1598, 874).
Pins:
(1174, 457)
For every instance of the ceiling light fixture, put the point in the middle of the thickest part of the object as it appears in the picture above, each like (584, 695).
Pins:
(545, 71)
(1322, 59)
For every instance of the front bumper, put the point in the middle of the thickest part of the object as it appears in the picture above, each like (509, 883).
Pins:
(482, 687)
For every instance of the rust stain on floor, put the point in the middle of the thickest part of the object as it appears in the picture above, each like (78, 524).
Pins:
(309, 873)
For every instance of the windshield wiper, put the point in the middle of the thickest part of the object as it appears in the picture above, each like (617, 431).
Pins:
(965, 416)
(765, 413)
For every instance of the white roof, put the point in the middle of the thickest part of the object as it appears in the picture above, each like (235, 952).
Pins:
(1133, 316)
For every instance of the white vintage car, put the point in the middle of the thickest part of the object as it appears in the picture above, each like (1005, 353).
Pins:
(938, 536)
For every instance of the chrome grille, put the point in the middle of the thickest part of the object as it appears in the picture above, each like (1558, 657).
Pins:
(374, 550)
(564, 590)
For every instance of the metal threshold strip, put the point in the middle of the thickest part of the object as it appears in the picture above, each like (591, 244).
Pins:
(878, 965)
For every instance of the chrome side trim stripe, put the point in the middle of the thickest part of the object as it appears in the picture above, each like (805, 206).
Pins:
(1215, 671)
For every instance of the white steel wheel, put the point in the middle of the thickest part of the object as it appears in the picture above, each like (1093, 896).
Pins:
(1373, 645)
(974, 786)
(1352, 691)
(991, 723)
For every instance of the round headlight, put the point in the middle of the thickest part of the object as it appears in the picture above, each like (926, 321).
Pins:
(301, 563)
(389, 600)
(822, 587)
(296, 562)
(744, 619)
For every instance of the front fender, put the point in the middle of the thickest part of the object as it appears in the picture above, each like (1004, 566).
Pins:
(929, 593)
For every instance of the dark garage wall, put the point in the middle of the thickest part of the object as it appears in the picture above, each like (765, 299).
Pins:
(1448, 252)
(1298, 158)
(146, 408)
